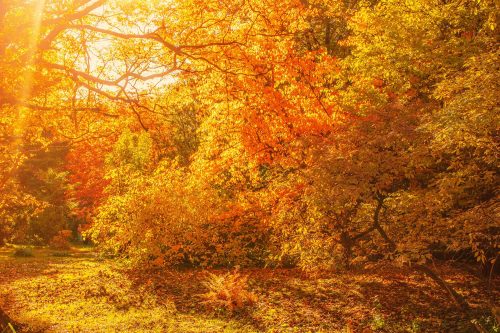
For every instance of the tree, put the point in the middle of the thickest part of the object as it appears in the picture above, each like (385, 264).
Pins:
(315, 132)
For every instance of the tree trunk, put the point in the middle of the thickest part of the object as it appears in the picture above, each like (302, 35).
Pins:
(457, 298)
(5, 320)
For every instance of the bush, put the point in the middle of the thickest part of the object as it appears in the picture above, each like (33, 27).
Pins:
(61, 240)
(228, 292)
(181, 220)
(23, 252)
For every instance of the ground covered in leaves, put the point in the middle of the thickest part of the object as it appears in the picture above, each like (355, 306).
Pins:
(78, 291)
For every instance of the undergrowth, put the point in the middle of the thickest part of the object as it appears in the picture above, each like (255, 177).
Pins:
(228, 292)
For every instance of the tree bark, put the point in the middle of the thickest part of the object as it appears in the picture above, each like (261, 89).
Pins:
(5, 320)
(459, 299)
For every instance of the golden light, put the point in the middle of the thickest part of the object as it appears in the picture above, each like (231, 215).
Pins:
(25, 94)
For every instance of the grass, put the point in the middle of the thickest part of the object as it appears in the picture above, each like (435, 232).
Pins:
(85, 293)
(23, 252)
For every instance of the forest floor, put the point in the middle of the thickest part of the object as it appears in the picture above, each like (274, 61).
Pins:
(78, 291)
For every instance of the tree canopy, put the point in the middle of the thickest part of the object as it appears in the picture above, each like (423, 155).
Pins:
(242, 132)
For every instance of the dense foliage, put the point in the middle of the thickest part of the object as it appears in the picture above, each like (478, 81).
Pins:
(311, 133)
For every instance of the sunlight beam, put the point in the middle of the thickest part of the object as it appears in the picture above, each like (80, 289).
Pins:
(27, 87)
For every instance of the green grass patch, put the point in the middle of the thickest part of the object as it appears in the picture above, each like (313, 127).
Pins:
(23, 252)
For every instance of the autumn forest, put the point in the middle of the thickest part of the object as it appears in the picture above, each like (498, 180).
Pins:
(249, 166)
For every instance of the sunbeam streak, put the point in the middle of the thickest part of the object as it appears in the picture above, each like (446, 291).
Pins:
(27, 87)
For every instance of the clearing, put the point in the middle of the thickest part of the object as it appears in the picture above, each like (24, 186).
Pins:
(78, 291)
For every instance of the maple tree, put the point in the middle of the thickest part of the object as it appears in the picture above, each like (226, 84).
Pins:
(321, 134)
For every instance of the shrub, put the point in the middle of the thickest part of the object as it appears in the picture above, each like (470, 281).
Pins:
(228, 292)
(61, 240)
(181, 220)
(23, 252)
